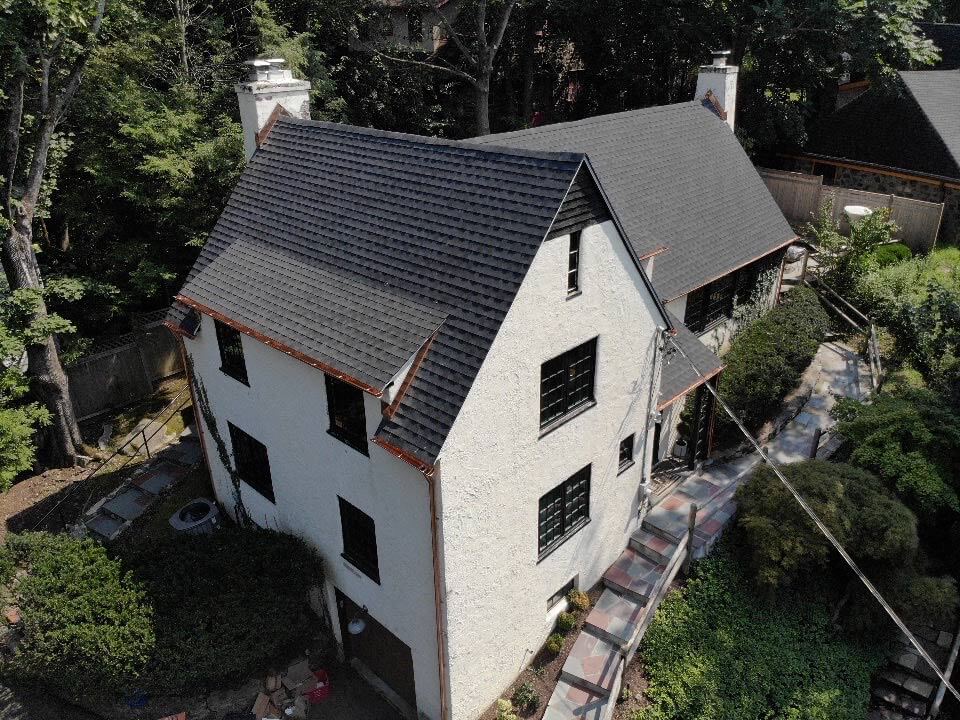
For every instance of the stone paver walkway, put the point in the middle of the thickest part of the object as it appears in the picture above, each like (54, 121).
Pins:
(637, 581)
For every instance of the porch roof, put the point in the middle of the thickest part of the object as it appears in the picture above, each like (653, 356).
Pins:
(678, 377)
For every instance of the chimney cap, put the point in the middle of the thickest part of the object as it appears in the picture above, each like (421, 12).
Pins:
(720, 57)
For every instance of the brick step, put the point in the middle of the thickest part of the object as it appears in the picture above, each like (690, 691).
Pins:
(907, 659)
(571, 702)
(615, 618)
(901, 702)
(908, 683)
(670, 518)
(653, 547)
(593, 663)
(633, 575)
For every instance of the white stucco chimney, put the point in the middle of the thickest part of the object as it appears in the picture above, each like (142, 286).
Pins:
(269, 84)
(720, 80)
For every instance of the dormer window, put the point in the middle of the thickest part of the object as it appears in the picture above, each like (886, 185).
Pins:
(348, 423)
(231, 352)
(573, 264)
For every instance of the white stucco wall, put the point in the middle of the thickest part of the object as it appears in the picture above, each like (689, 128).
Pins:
(285, 408)
(495, 466)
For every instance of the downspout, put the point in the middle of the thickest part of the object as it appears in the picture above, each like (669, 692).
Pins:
(652, 413)
(432, 476)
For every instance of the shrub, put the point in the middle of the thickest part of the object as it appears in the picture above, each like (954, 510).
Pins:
(555, 643)
(566, 622)
(767, 358)
(716, 650)
(87, 624)
(891, 254)
(505, 710)
(525, 698)
(228, 605)
(579, 600)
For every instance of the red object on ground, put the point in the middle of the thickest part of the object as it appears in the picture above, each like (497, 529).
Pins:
(322, 690)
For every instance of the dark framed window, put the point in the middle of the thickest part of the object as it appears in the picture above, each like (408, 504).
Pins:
(626, 452)
(561, 594)
(359, 540)
(252, 463)
(711, 303)
(348, 423)
(573, 264)
(414, 26)
(563, 511)
(566, 382)
(231, 352)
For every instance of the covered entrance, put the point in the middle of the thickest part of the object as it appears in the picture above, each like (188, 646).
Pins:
(378, 654)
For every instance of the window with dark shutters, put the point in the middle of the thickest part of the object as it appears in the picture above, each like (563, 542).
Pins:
(566, 382)
(359, 540)
(231, 352)
(348, 422)
(563, 511)
(251, 461)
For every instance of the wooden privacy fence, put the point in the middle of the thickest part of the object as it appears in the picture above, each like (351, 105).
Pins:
(124, 369)
(799, 197)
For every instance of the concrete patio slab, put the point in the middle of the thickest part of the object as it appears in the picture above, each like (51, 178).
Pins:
(158, 478)
(130, 504)
(106, 526)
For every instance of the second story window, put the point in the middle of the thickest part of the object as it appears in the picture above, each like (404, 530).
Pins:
(348, 422)
(573, 264)
(563, 511)
(626, 452)
(251, 461)
(359, 540)
(566, 382)
(231, 352)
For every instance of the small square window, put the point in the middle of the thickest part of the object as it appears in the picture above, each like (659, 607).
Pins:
(626, 452)
(573, 264)
(231, 352)
(348, 423)
(561, 594)
(359, 540)
(251, 461)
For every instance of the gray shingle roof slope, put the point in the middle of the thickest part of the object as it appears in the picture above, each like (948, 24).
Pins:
(911, 131)
(677, 376)
(676, 177)
(355, 244)
(946, 36)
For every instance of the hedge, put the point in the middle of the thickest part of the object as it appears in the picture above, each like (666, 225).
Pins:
(891, 254)
(767, 358)
(715, 651)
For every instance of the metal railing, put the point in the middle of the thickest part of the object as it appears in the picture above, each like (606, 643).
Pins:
(179, 401)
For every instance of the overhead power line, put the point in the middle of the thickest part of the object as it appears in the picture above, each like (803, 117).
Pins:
(822, 527)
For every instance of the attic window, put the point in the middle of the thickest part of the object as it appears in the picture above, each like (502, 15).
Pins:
(348, 423)
(231, 352)
(573, 265)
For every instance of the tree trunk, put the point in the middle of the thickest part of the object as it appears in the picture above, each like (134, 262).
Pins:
(482, 106)
(47, 376)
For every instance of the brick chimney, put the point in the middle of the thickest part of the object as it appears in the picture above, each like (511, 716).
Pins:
(717, 84)
(268, 85)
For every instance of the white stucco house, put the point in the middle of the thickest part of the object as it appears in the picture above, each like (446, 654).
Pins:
(443, 363)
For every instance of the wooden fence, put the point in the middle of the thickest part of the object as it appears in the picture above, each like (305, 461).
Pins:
(124, 369)
(799, 196)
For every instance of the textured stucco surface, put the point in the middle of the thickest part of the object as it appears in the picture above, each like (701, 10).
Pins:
(285, 408)
(495, 466)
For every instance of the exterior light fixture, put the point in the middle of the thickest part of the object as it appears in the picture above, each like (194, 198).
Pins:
(357, 624)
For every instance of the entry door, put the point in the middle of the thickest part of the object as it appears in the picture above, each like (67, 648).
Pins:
(704, 406)
(382, 652)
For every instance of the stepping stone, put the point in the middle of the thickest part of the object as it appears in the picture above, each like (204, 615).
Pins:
(910, 683)
(633, 575)
(570, 702)
(615, 618)
(901, 702)
(106, 526)
(593, 663)
(158, 479)
(130, 504)
(652, 547)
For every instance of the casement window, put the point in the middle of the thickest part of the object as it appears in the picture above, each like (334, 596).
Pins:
(560, 595)
(359, 540)
(710, 304)
(566, 382)
(573, 264)
(348, 422)
(231, 352)
(563, 511)
(626, 452)
(251, 461)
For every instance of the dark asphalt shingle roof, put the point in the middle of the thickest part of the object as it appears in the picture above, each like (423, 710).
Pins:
(676, 177)
(946, 36)
(354, 245)
(916, 130)
(677, 377)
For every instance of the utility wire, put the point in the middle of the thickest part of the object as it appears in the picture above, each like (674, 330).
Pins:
(823, 528)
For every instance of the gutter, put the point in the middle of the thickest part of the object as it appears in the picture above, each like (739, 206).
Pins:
(433, 477)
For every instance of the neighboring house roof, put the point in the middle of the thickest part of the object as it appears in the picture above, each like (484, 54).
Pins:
(946, 36)
(677, 377)
(916, 130)
(353, 246)
(676, 177)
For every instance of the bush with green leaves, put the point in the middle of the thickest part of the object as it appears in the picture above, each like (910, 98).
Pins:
(555, 643)
(786, 553)
(717, 651)
(891, 254)
(525, 698)
(766, 359)
(579, 600)
(87, 624)
(228, 605)
(566, 622)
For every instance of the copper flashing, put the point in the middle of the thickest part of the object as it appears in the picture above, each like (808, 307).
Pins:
(409, 458)
(277, 113)
(417, 362)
